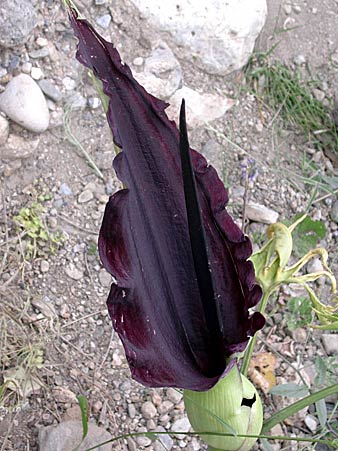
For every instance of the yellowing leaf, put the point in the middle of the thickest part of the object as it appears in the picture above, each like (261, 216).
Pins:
(262, 371)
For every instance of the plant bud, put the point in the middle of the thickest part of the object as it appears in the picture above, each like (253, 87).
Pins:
(231, 406)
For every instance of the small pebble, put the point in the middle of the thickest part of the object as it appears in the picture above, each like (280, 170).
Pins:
(104, 21)
(131, 410)
(14, 62)
(164, 439)
(65, 190)
(311, 423)
(52, 222)
(97, 406)
(287, 8)
(330, 343)
(151, 425)
(64, 311)
(180, 425)
(315, 265)
(4, 130)
(85, 196)
(148, 410)
(69, 83)
(76, 101)
(40, 53)
(175, 396)
(165, 407)
(26, 67)
(94, 102)
(299, 60)
(50, 89)
(131, 444)
(138, 61)
(260, 213)
(299, 335)
(44, 266)
(73, 272)
(143, 441)
(41, 42)
(297, 9)
(36, 73)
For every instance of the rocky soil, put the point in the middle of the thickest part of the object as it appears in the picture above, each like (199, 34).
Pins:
(53, 286)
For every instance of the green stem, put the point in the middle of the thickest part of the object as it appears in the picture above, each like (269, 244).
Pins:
(251, 346)
(194, 434)
(280, 416)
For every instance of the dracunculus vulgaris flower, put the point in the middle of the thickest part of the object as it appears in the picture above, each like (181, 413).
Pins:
(183, 285)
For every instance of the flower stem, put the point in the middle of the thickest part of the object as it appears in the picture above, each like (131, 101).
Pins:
(251, 346)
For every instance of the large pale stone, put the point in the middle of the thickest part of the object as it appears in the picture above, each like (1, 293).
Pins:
(24, 103)
(67, 436)
(17, 20)
(162, 74)
(217, 35)
(200, 108)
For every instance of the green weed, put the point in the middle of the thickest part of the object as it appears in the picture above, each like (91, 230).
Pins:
(35, 232)
(291, 97)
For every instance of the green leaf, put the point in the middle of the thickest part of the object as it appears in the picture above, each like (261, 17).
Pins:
(299, 312)
(266, 445)
(321, 369)
(287, 412)
(84, 407)
(306, 235)
(321, 410)
(291, 390)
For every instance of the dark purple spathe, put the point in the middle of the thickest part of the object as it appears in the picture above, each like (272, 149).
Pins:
(144, 241)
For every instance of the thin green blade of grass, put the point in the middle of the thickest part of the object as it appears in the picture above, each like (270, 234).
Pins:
(286, 92)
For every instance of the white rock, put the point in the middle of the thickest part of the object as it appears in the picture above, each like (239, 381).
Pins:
(44, 266)
(4, 130)
(162, 74)
(260, 213)
(24, 103)
(26, 67)
(315, 265)
(67, 435)
(164, 442)
(73, 272)
(148, 410)
(104, 21)
(311, 423)
(138, 61)
(17, 148)
(174, 395)
(85, 196)
(36, 73)
(200, 108)
(330, 343)
(218, 36)
(69, 83)
(180, 425)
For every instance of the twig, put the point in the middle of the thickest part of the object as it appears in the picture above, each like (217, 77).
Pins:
(68, 221)
(319, 199)
(75, 347)
(82, 318)
(73, 139)
(108, 349)
(272, 348)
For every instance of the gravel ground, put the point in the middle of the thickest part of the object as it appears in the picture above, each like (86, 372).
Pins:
(55, 302)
